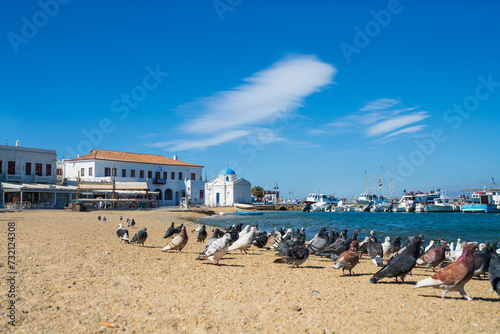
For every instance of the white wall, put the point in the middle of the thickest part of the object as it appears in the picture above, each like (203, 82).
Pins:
(21, 155)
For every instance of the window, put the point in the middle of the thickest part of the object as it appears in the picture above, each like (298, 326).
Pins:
(90, 171)
(168, 194)
(165, 175)
(114, 172)
(0, 166)
(193, 176)
(59, 171)
(82, 172)
(48, 170)
(183, 193)
(180, 175)
(141, 174)
(158, 175)
(28, 168)
(124, 173)
(202, 194)
(11, 168)
(107, 171)
(150, 174)
(132, 173)
(172, 175)
(38, 169)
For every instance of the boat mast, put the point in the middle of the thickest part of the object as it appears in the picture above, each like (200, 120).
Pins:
(366, 182)
(390, 182)
(374, 183)
(382, 178)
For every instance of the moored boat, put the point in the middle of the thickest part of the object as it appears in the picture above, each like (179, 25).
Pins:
(249, 212)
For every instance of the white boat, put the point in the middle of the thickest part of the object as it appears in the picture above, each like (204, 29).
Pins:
(407, 203)
(441, 204)
(321, 198)
(489, 201)
(383, 206)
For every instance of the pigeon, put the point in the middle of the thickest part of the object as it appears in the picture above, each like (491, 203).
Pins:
(244, 241)
(396, 244)
(348, 259)
(454, 276)
(319, 242)
(362, 249)
(202, 234)
(375, 252)
(104, 219)
(197, 229)
(140, 237)
(122, 233)
(434, 256)
(387, 248)
(260, 239)
(121, 218)
(295, 254)
(494, 272)
(178, 242)
(482, 261)
(132, 223)
(170, 231)
(215, 236)
(217, 249)
(98, 218)
(401, 264)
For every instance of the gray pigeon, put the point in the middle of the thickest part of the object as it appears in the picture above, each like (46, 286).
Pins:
(202, 234)
(376, 252)
(319, 242)
(216, 250)
(122, 233)
(295, 254)
(494, 272)
(179, 242)
(140, 237)
(215, 236)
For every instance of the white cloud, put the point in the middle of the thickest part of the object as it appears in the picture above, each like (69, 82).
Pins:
(275, 91)
(380, 104)
(183, 145)
(396, 123)
(411, 129)
(271, 94)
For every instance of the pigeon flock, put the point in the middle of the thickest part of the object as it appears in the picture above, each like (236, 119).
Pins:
(452, 266)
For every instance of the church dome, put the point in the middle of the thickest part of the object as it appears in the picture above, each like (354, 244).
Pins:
(227, 171)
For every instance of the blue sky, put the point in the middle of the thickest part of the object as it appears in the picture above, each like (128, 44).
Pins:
(308, 95)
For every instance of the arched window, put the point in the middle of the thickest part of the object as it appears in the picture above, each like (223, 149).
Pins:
(227, 178)
(168, 194)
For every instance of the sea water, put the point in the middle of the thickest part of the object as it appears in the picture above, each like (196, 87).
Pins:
(447, 226)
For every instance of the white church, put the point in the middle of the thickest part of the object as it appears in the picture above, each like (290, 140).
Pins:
(226, 190)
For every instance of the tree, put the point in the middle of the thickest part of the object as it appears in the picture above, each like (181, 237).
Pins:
(257, 192)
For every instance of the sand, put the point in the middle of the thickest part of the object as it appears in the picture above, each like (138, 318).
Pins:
(73, 274)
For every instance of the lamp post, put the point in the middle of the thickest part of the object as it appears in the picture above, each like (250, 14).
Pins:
(276, 192)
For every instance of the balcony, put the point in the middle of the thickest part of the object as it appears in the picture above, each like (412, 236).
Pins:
(14, 178)
(42, 179)
(159, 181)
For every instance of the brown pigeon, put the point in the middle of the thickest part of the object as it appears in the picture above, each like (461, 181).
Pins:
(433, 257)
(454, 276)
(348, 259)
(178, 242)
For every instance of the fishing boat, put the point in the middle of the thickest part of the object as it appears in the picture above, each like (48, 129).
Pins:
(441, 204)
(249, 213)
(321, 198)
(407, 203)
(489, 202)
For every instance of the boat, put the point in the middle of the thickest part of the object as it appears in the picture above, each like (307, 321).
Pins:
(489, 202)
(407, 203)
(244, 206)
(441, 204)
(321, 198)
(249, 213)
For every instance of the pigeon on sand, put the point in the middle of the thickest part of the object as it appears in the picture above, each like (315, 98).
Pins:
(140, 237)
(216, 250)
(122, 233)
(178, 242)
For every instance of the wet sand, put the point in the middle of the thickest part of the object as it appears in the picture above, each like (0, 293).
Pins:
(73, 274)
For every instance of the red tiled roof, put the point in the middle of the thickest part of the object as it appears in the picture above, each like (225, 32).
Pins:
(132, 157)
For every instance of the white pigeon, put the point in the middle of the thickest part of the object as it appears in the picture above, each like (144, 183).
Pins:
(122, 233)
(244, 231)
(431, 243)
(217, 249)
(243, 242)
(387, 248)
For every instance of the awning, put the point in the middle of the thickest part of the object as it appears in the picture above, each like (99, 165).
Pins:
(118, 186)
(36, 187)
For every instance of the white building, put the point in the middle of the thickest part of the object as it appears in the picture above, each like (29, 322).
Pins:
(28, 178)
(171, 178)
(226, 190)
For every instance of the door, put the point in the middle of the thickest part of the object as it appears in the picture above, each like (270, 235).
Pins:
(217, 198)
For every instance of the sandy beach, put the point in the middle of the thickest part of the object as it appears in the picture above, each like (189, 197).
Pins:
(73, 274)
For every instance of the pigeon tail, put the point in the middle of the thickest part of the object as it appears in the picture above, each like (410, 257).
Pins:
(428, 282)
(378, 261)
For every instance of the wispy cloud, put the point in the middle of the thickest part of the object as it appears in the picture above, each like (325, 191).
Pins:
(277, 91)
(380, 118)
(183, 145)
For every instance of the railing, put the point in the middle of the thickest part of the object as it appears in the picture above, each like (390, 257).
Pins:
(42, 179)
(15, 178)
(28, 206)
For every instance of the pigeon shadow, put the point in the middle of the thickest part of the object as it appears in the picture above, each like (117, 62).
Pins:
(224, 265)
(312, 267)
(147, 246)
(494, 300)
(397, 283)
(353, 275)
